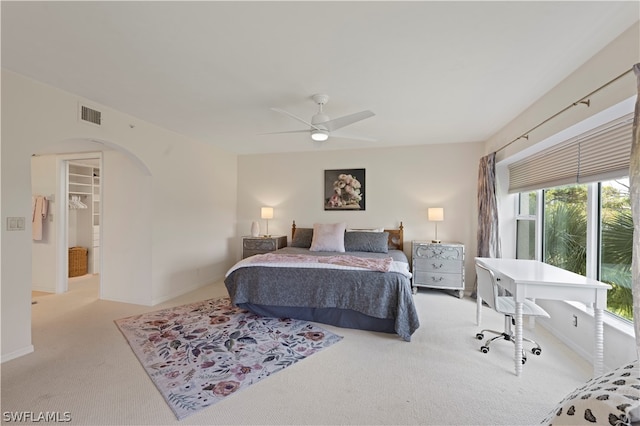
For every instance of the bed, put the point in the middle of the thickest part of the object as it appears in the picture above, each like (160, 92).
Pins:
(329, 274)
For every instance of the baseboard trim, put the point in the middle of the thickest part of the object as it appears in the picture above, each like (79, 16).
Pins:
(43, 289)
(184, 290)
(16, 354)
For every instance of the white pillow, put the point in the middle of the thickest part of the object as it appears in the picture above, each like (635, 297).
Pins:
(328, 237)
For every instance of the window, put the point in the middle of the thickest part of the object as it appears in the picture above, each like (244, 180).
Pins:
(574, 207)
(565, 228)
(526, 226)
(616, 227)
(569, 242)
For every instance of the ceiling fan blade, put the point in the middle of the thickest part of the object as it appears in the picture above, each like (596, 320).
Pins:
(348, 136)
(290, 131)
(295, 117)
(337, 123)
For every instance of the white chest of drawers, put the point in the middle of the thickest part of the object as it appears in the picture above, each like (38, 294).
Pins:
(438, 265)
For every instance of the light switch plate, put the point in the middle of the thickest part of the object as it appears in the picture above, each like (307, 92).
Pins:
(15, 224)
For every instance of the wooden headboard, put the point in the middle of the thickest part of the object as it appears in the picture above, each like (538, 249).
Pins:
(396, 236)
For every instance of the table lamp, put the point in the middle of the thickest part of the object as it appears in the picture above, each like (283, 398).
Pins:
(436, 214)
(267, 213)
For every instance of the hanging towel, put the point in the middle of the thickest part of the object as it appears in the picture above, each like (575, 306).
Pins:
(40, 210)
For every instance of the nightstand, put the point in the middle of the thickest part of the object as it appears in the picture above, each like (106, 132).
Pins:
(438, 265)
(260, 245)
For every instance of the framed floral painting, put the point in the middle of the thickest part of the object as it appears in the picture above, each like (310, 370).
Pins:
(344, 189)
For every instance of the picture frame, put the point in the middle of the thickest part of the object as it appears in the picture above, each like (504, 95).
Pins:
(344, 189)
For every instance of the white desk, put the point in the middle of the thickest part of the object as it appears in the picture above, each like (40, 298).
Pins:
(531, 279)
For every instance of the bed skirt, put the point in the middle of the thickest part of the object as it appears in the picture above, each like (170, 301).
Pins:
(345, 318)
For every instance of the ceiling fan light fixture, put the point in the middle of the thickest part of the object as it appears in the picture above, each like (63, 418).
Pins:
(319, 135)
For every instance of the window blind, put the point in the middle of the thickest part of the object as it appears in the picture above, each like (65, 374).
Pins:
(601, 154)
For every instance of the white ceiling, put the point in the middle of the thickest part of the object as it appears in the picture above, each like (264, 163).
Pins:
(433, 72)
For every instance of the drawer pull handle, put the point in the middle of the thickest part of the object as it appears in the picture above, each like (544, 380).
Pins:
(436, 266)
(438, 279)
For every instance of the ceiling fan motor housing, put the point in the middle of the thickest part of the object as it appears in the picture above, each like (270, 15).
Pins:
(320, 133)
(319, 119)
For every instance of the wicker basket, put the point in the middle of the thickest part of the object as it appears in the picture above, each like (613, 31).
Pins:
(77, 261)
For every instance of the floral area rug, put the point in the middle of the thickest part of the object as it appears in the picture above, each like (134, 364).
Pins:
(201, 353)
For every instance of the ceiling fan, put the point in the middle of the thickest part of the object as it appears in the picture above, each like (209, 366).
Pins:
(321, 127)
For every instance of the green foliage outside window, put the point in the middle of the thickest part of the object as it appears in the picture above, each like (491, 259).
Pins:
(617, 247)
(565, 237)
(565, 228)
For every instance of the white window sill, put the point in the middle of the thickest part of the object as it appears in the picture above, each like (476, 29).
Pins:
(608, 318)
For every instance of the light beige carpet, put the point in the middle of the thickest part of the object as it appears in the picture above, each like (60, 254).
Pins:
(83, 365)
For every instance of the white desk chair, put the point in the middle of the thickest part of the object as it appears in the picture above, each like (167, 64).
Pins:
(488, 290)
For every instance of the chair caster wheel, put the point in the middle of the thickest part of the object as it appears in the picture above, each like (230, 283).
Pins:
(484, 349)
(524, 360)
(536, 351)
(479, 336)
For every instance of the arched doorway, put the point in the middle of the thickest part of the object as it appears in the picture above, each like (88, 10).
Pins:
(55, 251)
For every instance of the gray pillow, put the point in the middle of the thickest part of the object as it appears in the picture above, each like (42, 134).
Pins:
(373, 242)
(302, 238)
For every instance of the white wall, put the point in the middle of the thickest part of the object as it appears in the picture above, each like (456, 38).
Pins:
(617, 58)
(125, 245)
(43, 173)
(169, 209)
(401, 183)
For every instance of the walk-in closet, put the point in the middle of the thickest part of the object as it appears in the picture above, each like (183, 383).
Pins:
(84, 216)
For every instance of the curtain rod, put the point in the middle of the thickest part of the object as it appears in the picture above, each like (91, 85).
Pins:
(582, 100)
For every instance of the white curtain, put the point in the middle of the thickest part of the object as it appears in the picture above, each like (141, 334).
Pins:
(634, 181)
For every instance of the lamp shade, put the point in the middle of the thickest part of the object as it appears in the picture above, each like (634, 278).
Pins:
(267, 213)
(436, 214)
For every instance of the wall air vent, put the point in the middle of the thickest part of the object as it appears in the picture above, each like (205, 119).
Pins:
(90, 115)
